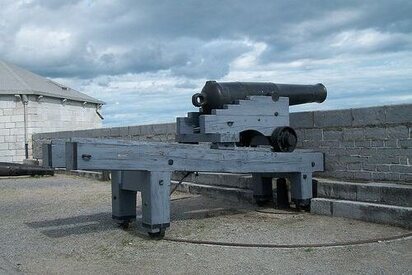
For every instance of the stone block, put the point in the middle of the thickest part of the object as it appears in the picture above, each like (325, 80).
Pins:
(16, 118)
(352, 159)
(337, 118)
(115, 132)
(368, 116)
(163, 129)
(146, 130)
(321, 206)
(368, 167)
(363, 143)
(383, 167)
(336, 190)
(7, 112)
(347, 144)
(312, 134)
(398, 114)
(401, 168)
(377, 143)
(375, 133)
(135, 131)
(9, 125)
(4, 146)
(301, 120)
(332, 135)
(15, 146)
(395, 152)
(405, 143)
(349, 175)
(391, 143)
(406, 178)
(4, 158)
(383, 159)
(4, 119)
(310, 144)
(385, 176)
(362, 175)
(171, 128)
(4, 132)
(329, 144)
(405, 160)
(365, 211)
(353, 134)
(124, 131)
(338, 151)
(354, 167)
(398, 132)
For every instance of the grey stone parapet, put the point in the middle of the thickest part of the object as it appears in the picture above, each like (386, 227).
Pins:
(371, 116)
(154, 132)
(365, 211)
(373, 192)
(363, 144)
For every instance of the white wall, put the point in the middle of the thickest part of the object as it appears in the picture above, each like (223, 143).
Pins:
(46, 115)
(11, 129)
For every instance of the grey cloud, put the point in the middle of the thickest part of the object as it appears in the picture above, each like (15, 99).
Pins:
(109, 48)
(109, 37)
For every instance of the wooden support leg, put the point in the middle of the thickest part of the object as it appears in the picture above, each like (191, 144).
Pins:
(156, 203)
(301, 189)
(280, 197)
(262, 189)
(123, 201)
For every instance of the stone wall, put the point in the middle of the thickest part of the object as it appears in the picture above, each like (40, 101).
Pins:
(45, 115)
(359, 144)
(155, 132)
(11, 129)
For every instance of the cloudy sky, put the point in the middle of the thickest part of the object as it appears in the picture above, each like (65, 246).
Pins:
(146, 58)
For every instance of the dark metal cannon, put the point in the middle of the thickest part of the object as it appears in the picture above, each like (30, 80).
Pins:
(16, 169)
(216, 94)
(232, 116)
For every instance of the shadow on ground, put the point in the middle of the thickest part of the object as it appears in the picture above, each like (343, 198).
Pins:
(195, 207)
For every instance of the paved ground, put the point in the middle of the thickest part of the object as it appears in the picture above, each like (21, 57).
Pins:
(63, 224)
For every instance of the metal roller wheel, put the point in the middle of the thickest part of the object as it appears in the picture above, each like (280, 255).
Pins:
(284, 139)
(157, 235)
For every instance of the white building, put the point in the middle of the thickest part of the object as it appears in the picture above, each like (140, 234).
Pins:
(30, 103)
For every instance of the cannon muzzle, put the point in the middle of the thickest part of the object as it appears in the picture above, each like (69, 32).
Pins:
(216, 94)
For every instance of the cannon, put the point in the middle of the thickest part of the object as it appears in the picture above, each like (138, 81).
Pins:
(215, 95)
(246, 114)
(16, 169)
(239, 128)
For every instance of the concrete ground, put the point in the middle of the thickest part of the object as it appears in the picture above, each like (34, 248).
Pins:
(63, 224)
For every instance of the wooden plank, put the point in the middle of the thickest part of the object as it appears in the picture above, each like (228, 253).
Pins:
(236, 124)
(182, 157)
(259, 113)
(184, 125)
(256, 106)
(213, 137)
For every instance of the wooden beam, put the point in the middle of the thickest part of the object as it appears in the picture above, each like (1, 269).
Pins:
(98, 154)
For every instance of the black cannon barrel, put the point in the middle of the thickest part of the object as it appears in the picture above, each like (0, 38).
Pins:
(215, 94)
(15, 169)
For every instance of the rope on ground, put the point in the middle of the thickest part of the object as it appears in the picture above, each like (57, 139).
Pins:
(271, 245)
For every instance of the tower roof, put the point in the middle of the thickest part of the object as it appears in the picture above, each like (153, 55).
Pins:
(16, 80)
